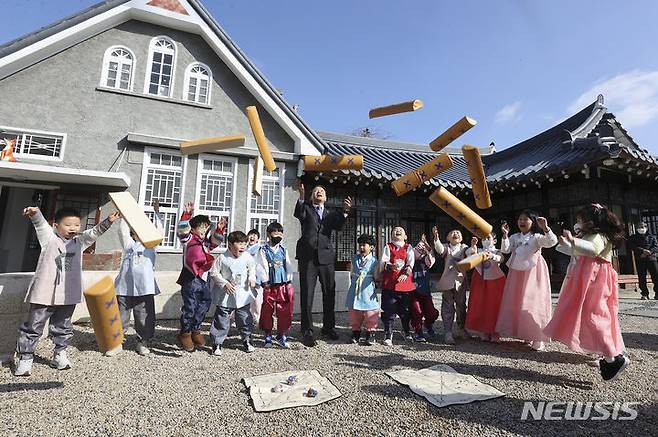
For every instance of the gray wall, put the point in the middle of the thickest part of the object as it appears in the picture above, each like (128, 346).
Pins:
(60, 94)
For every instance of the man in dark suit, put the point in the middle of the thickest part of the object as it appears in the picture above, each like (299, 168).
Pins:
(316, 256)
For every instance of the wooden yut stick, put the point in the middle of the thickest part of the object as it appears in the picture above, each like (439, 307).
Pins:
(470, 262)
(331, 162)
(211, 144)
(103, 309)
(478, 178)
(459, 211)
(257, 187)
(259, 136)
(382, 111)
(415, 178)
(454, 132)
(134, 215)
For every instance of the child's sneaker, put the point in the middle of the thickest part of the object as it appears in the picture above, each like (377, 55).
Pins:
(60, 361)
(268, 341)
(24, 367)
(198, 339)
(142, 349)
(448, 338)
(430, 332)
(610, 371)
(356, 335)
(388, 340)
(185, 340)
(369, 339)
(408, 336)
(282, 341)
(248, 348)
(419, 337)
(218, 351)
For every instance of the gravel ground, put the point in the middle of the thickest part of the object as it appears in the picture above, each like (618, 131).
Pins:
(175, 393)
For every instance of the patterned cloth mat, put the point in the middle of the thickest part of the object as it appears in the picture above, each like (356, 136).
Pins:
(442, 385)
(266, 397)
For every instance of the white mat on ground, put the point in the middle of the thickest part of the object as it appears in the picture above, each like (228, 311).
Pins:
(260, 390)
(442, 385)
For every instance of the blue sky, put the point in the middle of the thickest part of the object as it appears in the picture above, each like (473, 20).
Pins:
(517, 67)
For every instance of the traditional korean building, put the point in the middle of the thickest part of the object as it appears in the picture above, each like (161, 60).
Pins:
(589, 157)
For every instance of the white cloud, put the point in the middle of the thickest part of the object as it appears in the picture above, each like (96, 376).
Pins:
(632, 96)
(509, 113)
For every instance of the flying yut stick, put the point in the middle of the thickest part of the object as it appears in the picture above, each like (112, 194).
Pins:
(452, 133)
(464, 215)
(478, 179)
(330, 162)
(211, 144)
(415, 178)
(259, 136)
(146, 231)
(103, 309)
(398, 108)
(257, 187)
(470, 262)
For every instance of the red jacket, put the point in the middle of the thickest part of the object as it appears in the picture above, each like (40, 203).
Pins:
(390, 277)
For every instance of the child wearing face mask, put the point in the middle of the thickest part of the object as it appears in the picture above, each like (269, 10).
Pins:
(275, 272)
(57, 285)
(585, 317)
(526, 305)
(487, 284)
(397, 265)
(362, 303)
(423, 311)
(234, 278)
(452, 284)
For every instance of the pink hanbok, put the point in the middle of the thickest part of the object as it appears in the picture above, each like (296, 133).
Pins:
(586, 314)
(525, 309)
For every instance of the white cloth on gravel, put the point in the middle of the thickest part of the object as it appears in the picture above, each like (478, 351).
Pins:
(265, 399)
(442, 385)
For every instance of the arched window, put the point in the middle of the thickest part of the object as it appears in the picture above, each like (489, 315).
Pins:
(198, 79)
(162, 61)
(118, 68)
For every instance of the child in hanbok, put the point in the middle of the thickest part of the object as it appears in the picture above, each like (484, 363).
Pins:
(487, 285)
(423, 312)
(585, 318)
(525, 309)
(362, 303)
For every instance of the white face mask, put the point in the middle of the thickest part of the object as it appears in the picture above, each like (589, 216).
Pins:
(486, 244)
(641, 231)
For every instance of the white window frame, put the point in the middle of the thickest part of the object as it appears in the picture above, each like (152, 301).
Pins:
(149, 66)
(106, 67)
(197, 195)
(278, 217)
(22, 131)
(146, 164)
(186, 86)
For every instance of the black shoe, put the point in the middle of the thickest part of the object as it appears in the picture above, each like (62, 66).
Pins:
(644, 297)
(309, 340)
(369, 340)
(331, 334)
(610, 371)
(356, 335)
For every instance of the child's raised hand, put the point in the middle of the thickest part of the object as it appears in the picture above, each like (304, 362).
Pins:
(301, 189)
(347, 204)
(116, 215)
(156, 206)
(542, 223)
(435, 232)
(505, 229)
(230, 288)
(222, 223)
(189, 207)
(487, 255)
(474, 241)
(30, 211)
(567, 235)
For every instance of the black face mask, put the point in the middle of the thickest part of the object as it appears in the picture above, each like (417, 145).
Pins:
(275, 240)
